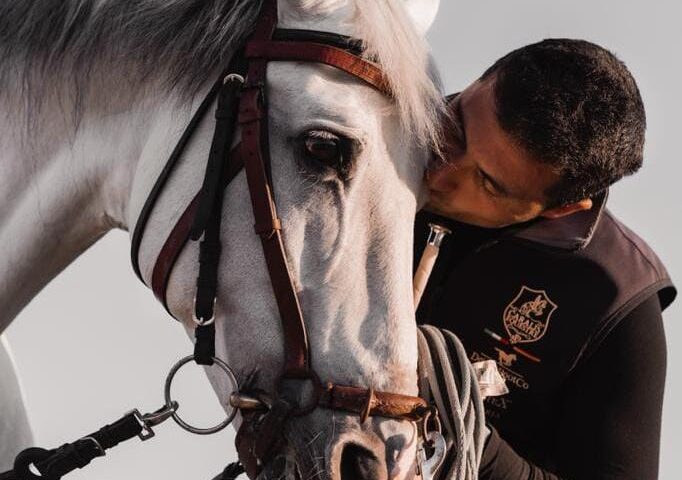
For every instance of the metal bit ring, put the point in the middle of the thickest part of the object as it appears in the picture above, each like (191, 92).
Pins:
(169, 401)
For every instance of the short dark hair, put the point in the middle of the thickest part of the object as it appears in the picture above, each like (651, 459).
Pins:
(573, 105)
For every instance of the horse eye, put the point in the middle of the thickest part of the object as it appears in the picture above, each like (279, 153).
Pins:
(324, 147)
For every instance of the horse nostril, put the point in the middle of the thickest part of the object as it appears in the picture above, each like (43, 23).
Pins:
(358, 463)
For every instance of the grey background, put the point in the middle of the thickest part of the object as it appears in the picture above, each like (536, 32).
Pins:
(95, 344)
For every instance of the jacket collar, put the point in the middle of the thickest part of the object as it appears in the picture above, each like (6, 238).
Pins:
(572, 232)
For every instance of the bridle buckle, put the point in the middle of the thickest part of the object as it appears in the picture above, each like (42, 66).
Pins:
(234, 78)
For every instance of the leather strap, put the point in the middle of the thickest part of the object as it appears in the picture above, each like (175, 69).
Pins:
(368, 402)
(223, 133)
(256, 153)
(320, 53)
(344, 42)
(179, 236)
(54, 464)
(161, 181)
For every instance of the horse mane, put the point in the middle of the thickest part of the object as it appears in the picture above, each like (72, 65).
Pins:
(49, 45)
(390, 36)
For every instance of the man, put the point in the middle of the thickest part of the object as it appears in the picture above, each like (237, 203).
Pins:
(538, 276)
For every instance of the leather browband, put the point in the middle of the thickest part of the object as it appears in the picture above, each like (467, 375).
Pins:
(320, 53)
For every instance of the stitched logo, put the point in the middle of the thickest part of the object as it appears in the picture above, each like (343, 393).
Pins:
(504, 358)
(527, 316)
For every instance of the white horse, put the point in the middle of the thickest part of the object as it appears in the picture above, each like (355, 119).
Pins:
(94, 95)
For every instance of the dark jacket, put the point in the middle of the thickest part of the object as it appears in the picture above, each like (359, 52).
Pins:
(540, 300)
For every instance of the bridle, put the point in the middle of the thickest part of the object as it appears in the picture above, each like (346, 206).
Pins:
(242, 100)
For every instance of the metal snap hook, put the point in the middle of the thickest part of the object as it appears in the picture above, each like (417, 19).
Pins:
(150, 420)
(169, 401)
(429, 465)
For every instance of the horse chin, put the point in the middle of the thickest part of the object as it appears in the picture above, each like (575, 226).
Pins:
(344, 449)
(283, 467)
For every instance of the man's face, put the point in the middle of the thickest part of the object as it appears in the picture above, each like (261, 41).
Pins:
(488, 179)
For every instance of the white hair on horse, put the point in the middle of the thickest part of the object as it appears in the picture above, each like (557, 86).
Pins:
(64, 47)
(392, 38)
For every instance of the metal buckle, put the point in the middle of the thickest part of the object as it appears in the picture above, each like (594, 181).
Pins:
(233, 77)
(186, 426)
(200, 321)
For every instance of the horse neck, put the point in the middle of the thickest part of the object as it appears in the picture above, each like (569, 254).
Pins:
(62, 189)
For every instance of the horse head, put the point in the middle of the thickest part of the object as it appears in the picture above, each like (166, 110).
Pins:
(347, 162)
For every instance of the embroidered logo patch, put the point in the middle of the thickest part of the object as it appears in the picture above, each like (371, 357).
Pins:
(527, 316)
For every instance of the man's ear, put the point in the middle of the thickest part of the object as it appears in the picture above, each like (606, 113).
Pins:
(568, 209)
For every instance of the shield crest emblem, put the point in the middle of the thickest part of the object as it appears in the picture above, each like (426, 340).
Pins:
(527, 316)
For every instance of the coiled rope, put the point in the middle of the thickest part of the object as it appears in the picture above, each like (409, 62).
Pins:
(449, 381)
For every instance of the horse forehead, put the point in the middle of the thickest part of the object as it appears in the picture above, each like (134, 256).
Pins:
(304, 93)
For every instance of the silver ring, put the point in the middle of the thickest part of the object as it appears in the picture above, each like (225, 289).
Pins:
(186, 426)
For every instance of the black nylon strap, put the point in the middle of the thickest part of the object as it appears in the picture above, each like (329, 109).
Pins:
(207, 285)
(53, 464)
(225, 115)
(209, 213)
(231, 472)
(146, 211)
(350, 44)
(204, 344)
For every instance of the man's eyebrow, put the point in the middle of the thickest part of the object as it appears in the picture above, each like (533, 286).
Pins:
(497, 185)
